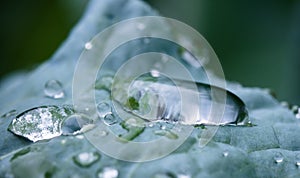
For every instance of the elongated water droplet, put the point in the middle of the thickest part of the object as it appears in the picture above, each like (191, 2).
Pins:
(103, 109)
(110, 119)
(298, 160)
(54, 89)
(163, 101)
(278, 158)
(40, 123)
(88, 46)
(86, 159)
(108, 172)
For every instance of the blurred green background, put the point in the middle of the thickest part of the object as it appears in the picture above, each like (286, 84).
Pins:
(258, 42)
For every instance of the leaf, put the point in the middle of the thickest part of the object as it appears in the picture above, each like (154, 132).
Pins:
(249, 151)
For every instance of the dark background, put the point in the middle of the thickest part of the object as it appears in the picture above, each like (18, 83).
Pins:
(258, 42)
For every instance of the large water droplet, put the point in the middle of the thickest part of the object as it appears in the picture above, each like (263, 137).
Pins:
(298, 160)
(40, 123)
(86, 159)
(88, 46)
(103, 109)
(110, 119)
(278, 158)
(54, 89)
(108, 172)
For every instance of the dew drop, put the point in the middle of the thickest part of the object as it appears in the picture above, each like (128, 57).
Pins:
(54, 89)
(298, 160)
(295, 109)
(284, 104)
(110, 119)
(103, 109)
(108, 172)
(164, 175)
(88, 46)
(278, 158)
(225, 153)
(86, 159)
(63, 141)
(155, 73)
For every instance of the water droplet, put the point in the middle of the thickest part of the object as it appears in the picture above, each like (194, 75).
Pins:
(40, 123)
(278, 158)
(108, 172)
(155, 73)
(54, 89)
(295, 109)
(86, 159)
(163, 127)
(225, 153)
(150, 124)
(298, 160)
(9, 113)
(141, 26)
(88, 46)
(103, 109)
(110, 119)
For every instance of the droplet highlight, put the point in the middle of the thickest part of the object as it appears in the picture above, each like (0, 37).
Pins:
(298, 160)
(103, 109)
(88, 46)
(225, 153)
(108, 172)
(86, 159)
(54, 89)
(278, 158)
(155, 73)
(110, 119)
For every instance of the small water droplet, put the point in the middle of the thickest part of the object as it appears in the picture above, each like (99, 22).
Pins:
(54, 89)
(225, 153)
(108, 172)
(155, 73)
(86, 159)
(88, 46)
(163, 127)
(298, 160)
(295, 109)
(110, 119)
(9, 113)
(103, 109)
(150, 124)
(278, 158)
(141, 26)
